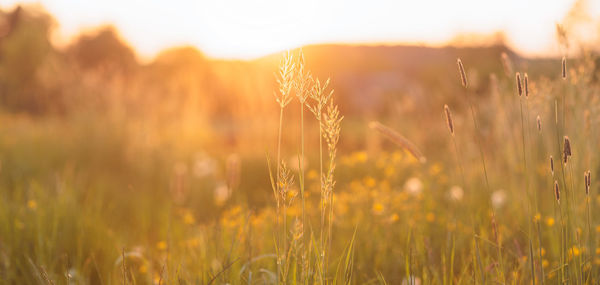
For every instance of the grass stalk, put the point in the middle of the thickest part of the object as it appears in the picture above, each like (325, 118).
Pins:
(301, 182)
(482, 157)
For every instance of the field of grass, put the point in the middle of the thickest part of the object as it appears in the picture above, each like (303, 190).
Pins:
(182, 171)
(505, 199)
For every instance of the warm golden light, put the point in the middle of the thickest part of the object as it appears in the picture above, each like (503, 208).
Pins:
(299, 142)
(247, 29)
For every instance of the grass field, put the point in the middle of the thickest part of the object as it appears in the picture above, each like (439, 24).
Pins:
(490, 207)
(473, 170)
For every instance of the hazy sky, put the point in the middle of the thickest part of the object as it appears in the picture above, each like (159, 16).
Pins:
(247, 28)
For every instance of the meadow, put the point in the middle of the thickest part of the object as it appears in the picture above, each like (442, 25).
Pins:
(476, 167)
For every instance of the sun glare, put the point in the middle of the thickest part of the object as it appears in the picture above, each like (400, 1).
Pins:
(248, 29)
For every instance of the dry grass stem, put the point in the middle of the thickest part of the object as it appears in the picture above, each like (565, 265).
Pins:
(399, 140)
(449, 121)
(463, 75)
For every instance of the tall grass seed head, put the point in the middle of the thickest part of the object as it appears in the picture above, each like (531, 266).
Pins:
(463, 75)
(519, 84)
(449, 121)
(588, 181)
(556, 192)
(566, 149)
(526, 84)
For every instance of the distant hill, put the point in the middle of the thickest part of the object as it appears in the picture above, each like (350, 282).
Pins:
(368, 77)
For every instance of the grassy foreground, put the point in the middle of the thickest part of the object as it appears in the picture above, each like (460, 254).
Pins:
(509, 197)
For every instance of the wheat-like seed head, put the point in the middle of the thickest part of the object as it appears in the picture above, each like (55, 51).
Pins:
(320, 97)
(302, 79)
(331, 125)
(298, 232)
(463, 75)
(286, 181)
(285, 80)
(556, 192)
(519, 84)
(449, 121)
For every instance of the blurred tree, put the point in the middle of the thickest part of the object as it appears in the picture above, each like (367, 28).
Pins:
(24, 49)
(104, 51)
(181, 75)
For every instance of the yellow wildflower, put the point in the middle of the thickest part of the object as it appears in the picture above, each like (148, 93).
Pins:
(369, 181)
(537, 217)
(435, 169)
(394, 217)
(189, 219)
(161, 245)
(430, 217)
(574, 252)
(360, 156)
(32, 204)
(378, 208)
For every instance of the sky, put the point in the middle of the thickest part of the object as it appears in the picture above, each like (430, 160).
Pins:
(245, 29)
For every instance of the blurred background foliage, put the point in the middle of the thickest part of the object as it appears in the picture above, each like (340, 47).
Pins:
(93, 107)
